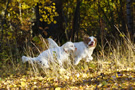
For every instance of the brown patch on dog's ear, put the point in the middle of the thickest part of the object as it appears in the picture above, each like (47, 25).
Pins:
(95, 39)
(86, 40)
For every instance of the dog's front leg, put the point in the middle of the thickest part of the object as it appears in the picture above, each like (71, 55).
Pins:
(77, 60)
(89, 58)
(59, 60)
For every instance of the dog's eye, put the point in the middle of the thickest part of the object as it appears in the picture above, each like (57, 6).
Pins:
(72, 46)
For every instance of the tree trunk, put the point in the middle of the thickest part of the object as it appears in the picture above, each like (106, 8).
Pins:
(122, 17)
(2, 25)
(59, 29)
(76, 21)
(100, 9)
(112, 18)
(129, 18)
(35, 27)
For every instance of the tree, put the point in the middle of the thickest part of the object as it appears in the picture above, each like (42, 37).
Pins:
(129, 18)
(76, 21)
(3, 24)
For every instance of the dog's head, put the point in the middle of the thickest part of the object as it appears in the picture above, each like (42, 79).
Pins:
(90, 41)
(69, 47)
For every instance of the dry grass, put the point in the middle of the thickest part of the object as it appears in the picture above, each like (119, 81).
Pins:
(111, 68)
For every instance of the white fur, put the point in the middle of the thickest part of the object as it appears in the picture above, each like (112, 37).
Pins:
(84, 51)
(61, 54)
(52, 43)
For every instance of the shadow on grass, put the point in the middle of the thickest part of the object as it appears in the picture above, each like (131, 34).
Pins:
(123, 80)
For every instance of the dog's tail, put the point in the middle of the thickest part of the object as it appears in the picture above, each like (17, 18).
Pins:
(25, 59)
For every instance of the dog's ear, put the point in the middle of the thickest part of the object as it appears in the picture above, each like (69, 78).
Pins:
(95, 39)
(86, 40)
(65, 49)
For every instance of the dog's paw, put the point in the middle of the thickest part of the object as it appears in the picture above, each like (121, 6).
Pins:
(89, 59)
(76, 62)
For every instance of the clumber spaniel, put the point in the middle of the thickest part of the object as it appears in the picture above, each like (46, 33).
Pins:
(60, 53)
(84, 49)
(52, 43)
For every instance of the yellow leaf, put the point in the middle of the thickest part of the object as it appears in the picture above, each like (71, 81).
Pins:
(40, 78)
(41, 19)
(116, 75)
(84, 75)
(122, 35)
(110, 53)
(35, 82)
(62, 70)
(81, 87)
(54, 22)
(66, 77)
(23, 84)
(25, 6)
(77, 75)
(73, 87)
(57, 88)
(53, 3)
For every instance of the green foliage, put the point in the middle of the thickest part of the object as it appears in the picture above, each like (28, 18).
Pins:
(23, 9)
(36, 39)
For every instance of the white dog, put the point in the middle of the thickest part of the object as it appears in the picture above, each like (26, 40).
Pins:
(52, 43)
(60, 53)
(84, 49)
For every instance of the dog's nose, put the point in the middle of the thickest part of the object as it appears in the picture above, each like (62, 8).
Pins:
(92, 42)
(75, 49)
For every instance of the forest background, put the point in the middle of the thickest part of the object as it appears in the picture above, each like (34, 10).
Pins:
(25, 24)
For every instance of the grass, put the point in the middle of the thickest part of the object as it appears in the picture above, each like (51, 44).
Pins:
(112, 68)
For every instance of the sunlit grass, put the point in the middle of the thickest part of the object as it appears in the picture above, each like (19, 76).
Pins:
(102, 72)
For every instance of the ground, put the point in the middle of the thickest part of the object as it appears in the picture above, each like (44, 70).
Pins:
(92, 75)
